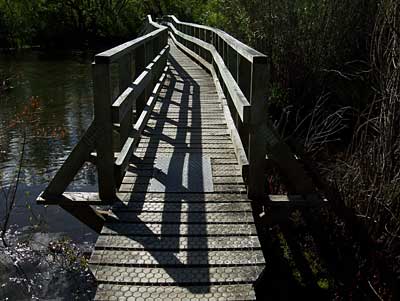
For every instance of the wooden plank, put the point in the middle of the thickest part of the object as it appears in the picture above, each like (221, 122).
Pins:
(71, 198)
(177, 275)
(189, 206)
(308, 200)
(154, 244)
(187, 217)
(212, 258)
(107, 292)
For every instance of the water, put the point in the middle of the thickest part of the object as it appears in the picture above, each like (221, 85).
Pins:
(57, 90)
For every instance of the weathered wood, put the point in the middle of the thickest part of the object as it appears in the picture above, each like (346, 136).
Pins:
(71, 198)
(145, 115)
(87, 215)
(104, 142)
(186, 124)
(241, 103)
(214, 229)
(75, 160)
(99, 136)
(234, 134)
(249, 74)
(244, 50)
(232, 62)
(238, 146)
(124, 156)
(308, 200)
(125, 75)
(257, 141)
(128, 98)
(192, 54)
(114, 54)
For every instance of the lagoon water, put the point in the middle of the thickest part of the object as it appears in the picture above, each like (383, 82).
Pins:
(60, 85)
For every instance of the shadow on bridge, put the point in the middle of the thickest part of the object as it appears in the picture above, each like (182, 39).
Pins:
(165, 246)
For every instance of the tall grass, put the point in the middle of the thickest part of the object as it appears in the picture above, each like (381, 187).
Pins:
(369, 174)
(315, 47)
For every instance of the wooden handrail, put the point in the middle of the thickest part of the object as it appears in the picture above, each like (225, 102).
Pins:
(240, 101)
(241, 74)
(244, 50)
(138, 86)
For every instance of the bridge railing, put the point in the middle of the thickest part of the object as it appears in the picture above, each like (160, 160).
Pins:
(126, 82)
(242, 75)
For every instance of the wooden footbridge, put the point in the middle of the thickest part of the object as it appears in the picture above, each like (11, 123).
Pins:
(181, 140)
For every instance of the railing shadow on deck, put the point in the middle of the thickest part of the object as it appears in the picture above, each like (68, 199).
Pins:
(172, 214)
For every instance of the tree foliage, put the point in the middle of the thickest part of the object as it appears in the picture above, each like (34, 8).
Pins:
(83, 22)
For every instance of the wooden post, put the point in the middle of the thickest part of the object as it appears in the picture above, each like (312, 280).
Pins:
(258, 127)
(103, 123)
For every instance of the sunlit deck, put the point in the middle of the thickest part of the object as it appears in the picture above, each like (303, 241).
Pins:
(183, 228)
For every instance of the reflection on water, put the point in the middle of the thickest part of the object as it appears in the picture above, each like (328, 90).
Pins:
(63, 87)
(62, 84)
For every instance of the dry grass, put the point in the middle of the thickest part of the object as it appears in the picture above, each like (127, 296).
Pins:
(368, 177)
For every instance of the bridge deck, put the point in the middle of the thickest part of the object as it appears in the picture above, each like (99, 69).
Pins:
(183, 230)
